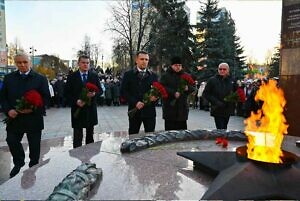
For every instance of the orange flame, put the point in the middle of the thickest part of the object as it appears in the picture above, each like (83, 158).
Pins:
(266, 128)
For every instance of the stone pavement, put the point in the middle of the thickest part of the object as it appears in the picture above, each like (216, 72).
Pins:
(114, 119)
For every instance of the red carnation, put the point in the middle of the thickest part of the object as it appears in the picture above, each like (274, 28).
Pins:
(89, 87)
(30, 100)
(157, 90)
(34, 98)
(185, 80)
(162, 91)
(222, 141)
(189, 80)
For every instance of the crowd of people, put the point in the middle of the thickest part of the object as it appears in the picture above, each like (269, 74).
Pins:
(83, 90)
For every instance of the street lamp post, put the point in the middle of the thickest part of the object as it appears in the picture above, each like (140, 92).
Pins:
(32, 50)
(102, 62)
(6, 46)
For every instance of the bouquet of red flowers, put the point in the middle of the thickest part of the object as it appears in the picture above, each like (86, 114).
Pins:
(185, 80)
(30, 100)
(157, 90)
(89, 87)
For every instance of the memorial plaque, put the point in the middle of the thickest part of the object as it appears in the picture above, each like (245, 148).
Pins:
(290, 37)
(289, 61)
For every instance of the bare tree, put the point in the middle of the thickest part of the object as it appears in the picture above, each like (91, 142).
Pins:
(130, 20)
(86, 47)
(119, 57)
(268, 56)
(95, 52)
(13, 49)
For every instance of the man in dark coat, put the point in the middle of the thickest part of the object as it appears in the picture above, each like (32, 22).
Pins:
(29, 121)
(216, 89)
(87, 116)
(136, 82)
(176, 107)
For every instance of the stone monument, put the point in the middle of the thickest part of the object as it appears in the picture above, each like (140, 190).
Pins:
(290, 62)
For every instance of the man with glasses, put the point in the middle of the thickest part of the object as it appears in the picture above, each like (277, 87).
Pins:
(217, 88)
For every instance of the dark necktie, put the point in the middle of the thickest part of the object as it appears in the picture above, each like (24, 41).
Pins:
(84, 77)
(23, 75)
(142, 74)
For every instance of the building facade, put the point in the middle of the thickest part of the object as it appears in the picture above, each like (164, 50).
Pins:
(3, 48)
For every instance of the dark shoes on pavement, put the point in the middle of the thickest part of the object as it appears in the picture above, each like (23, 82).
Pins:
(15, 171)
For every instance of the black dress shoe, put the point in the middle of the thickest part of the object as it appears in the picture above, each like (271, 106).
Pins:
(32, 164)
(15, 171)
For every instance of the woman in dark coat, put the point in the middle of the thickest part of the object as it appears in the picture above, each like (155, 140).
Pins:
(176, 107)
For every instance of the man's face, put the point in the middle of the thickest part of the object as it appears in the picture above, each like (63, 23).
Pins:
(84, 64)
(23, 63)
(177, 67)
(142, 61)
(223, 70)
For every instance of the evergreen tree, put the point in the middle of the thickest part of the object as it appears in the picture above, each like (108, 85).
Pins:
(274, 65)
(217, 40)
(170, 33)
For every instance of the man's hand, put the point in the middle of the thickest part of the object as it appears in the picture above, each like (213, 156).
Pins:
(25, 111)
(177, 94)
(12, 113)
(153, 98)
(91, 94)
(139, 105)
(80, 103)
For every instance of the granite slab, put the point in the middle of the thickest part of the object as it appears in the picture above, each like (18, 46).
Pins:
(154, 173)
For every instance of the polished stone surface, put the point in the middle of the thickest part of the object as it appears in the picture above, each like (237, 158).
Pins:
(155, 173)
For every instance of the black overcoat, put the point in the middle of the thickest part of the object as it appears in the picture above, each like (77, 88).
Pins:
(216, 89)
(133, 88)
(14, 87)
(88, 113)
(180, 110)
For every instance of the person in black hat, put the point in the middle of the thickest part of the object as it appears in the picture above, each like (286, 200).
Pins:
(176, 107)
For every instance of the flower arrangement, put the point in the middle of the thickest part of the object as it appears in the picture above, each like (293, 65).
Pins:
(89, 87)
(157, 90)
(30, 100)
(185, 80)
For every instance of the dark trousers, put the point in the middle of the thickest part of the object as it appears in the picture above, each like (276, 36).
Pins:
(78, 135)
(221, 122)
(14, 143)
(136, 122)
(175, 125)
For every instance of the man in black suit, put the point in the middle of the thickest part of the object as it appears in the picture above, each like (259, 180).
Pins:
(26, 121)
(87, 117)
(136, 82)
